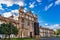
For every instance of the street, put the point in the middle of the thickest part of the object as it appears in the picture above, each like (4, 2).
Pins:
(49, 39)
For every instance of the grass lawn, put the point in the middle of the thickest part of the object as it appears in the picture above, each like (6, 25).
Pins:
(22, 39)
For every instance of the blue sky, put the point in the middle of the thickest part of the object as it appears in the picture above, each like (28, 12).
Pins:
(48, 11)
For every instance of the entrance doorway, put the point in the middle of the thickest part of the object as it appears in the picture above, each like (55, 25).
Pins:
(31, 34)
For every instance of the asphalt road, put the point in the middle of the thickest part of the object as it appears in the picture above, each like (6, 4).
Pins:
(49, 39)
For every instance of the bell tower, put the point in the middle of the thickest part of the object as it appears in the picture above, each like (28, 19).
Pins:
(21, 10)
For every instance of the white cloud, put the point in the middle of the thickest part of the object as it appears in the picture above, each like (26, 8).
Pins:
(32, 5)
(14, 11)
(1, 7)
(11, 2)
(57, 2)
(32, 11)
(38, 0)
(7, 14)
(55, 26)
(25, 9)
(8, 2)
(49, 6)
(20, 3)
(46, 24)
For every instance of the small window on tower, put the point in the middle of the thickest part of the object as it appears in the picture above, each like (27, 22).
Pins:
(22, 25)
(22, 21)
(28, 23)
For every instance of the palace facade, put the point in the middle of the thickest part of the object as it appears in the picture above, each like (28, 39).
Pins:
(25, 23)
(46, 32)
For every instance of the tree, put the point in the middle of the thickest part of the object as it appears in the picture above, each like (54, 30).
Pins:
(57, 31)
(8, 29)
(3, 28)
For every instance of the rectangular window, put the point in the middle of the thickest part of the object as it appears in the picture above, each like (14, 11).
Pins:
(28, 23)
(22, 20)
(33, 24)
(22, 26)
